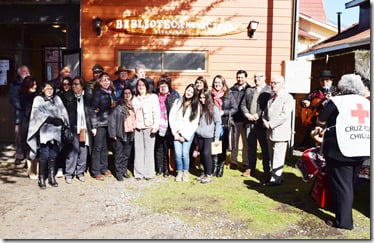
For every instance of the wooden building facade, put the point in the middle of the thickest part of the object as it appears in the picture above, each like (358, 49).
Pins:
(163, 35)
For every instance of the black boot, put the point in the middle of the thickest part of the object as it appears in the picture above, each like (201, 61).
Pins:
(159, 171)
(51, 173)
(41, 182)
(220, 169)
(42, 172)
(215, 165)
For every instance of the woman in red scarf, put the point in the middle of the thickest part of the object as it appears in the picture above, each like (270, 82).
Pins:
(228, 106)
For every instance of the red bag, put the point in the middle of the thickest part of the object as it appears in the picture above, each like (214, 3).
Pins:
(320, 190)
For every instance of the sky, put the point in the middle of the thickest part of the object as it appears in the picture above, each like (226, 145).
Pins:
(348, 17)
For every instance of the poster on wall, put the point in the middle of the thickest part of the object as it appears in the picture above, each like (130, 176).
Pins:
(4, 67)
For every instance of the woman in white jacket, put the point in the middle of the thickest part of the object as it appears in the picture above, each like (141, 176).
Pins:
(183, 119)
(147, 113)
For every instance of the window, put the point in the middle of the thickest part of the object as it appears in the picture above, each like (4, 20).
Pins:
(161, 61)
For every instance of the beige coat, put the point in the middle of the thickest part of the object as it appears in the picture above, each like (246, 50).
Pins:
(278, 113)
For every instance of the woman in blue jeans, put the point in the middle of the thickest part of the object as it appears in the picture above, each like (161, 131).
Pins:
(183, 119)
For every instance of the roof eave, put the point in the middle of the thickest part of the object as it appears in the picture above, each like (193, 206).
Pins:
(354, 3)
(335, 48)
(314, 21)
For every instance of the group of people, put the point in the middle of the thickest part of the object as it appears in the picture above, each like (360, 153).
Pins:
(342, 125)
(146, 123)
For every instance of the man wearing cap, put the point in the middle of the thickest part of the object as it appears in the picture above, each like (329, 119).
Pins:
(140, 72)
(97, 69)
(121, 81)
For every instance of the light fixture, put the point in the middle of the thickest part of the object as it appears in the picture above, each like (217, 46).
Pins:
(55, 25)
(97, 25)
(251, 29)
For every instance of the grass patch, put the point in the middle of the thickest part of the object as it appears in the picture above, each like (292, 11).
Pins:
(240, 208)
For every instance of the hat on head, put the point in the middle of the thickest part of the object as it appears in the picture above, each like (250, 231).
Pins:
(326, 74)
(122, 69)
(97, 68)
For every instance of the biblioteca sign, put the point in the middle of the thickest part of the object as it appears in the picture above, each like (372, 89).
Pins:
(175, 25)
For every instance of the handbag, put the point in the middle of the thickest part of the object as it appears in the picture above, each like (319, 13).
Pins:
(82, 135)
(67, 135)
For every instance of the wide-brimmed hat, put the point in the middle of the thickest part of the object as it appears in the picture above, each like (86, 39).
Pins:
(122, 69)
(326, 74)
(97, 68)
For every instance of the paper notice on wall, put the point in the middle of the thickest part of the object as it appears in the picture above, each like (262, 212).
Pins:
(297, 76)
(4, 67)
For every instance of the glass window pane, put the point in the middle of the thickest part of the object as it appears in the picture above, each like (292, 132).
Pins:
(185, 61)
(152, 60)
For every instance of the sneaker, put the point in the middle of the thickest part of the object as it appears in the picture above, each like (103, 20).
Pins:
(206, 179)
(81, 178)
(185, 175)
(200, 178)
(179, 176)
(68, 180)
(60, 173)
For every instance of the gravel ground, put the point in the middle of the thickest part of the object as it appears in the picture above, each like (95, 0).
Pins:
(81, 210)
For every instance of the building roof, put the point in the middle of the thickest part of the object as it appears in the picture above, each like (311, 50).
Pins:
(314, 9)
(307, 35)
(351, 37)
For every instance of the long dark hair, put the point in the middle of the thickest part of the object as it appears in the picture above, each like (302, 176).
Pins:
(127, 104)
(194, 102)
(146, 86)
(27, 83)
(208, 107)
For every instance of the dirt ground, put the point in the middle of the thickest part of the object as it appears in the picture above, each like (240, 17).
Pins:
(81, 210)
(100, 210)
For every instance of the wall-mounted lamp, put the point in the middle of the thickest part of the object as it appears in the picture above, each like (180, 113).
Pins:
(252, 26)
(97, 25)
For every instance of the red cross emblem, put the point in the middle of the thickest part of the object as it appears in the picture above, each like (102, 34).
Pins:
(360, 113)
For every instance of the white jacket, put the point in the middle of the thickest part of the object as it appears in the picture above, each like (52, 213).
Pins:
(182, 123)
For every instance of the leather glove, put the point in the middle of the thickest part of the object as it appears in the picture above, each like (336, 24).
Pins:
(55, 121)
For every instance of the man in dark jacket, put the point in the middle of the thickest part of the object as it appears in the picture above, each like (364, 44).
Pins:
(122, 81)
(97, 70)
(238, 91)
(253, 106)
(14, 87)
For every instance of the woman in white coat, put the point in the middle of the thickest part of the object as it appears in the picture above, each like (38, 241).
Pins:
(183, 119)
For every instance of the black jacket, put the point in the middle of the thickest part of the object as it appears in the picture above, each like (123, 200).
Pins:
(14, 88)
(116, 128)
(229, 107)
(239, 95)
(101, 104)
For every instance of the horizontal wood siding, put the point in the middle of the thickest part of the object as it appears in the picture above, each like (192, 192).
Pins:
(265, 52)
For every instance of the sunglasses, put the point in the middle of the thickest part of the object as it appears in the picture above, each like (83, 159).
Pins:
(66, 84)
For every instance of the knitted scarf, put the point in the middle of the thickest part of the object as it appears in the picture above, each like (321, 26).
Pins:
(217, 97)
(164, 115)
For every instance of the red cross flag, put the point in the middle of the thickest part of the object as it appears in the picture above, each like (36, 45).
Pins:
(353, 125)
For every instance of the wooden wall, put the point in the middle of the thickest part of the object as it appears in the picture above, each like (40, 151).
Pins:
(227, 54)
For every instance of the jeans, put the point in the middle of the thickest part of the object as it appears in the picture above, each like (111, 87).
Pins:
(182, 154)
